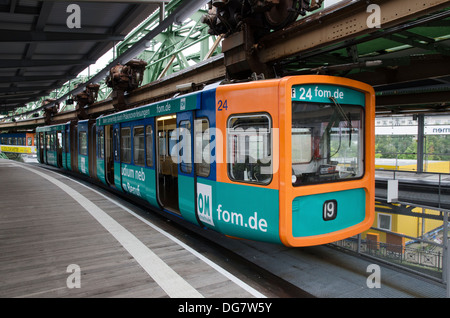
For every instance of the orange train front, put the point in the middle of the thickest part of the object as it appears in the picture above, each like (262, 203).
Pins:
(287, 161)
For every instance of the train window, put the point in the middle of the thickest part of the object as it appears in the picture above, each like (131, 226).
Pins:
(41, 140)
(327, 142)
(249, 148)
(29, 141)
(125, 145)
(101, 144)
(59, 140)
(185, 146)
(162, 143)
(52, 142)
(83, 143)
(172, 140)
(139, 145)
(202, 153)
(302, 153)
(149, 139)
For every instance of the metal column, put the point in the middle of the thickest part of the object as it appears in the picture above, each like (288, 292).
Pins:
(420, 142)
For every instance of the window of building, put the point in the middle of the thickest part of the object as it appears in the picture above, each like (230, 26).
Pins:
(384, 221)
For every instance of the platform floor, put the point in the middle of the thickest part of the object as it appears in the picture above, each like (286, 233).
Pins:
(50, 224)
(58, 238)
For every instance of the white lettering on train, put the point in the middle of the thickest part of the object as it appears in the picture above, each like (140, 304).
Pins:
(237, 218)
(133, 174)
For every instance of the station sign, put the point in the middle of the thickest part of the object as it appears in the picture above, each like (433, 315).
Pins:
(412, 130)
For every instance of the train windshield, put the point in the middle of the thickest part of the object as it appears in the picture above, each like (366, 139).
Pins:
(327, 142)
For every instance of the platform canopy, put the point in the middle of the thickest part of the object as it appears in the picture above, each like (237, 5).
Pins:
(43, 44)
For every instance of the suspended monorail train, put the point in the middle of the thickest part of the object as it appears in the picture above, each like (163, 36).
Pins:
(288, 161)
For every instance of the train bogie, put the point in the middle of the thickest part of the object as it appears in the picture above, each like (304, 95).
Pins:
(285, 161)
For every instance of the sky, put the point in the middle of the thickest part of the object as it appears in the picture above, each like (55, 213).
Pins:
(330, 2)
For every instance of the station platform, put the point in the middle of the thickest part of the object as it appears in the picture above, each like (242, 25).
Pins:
(59, 238)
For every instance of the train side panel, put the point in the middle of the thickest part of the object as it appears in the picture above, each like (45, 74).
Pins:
(246, 193)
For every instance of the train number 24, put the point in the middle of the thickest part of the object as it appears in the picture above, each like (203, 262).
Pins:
(221, 105)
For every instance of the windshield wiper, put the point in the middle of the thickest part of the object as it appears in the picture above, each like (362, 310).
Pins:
(341, 112)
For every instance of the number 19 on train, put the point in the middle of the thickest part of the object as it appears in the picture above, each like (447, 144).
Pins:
(329, 210)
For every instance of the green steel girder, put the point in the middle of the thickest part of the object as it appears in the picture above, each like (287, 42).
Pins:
(177, 48)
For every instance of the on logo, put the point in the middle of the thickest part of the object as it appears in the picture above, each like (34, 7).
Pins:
(204, 203)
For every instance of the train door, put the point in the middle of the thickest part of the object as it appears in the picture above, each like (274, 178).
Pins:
(186, 180)
(167, 171)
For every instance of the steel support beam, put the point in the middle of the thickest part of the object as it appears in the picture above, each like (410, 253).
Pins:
(406, 70)
(420, 142)
(339, 24)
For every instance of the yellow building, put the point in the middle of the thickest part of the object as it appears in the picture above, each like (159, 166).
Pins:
(392, 217)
